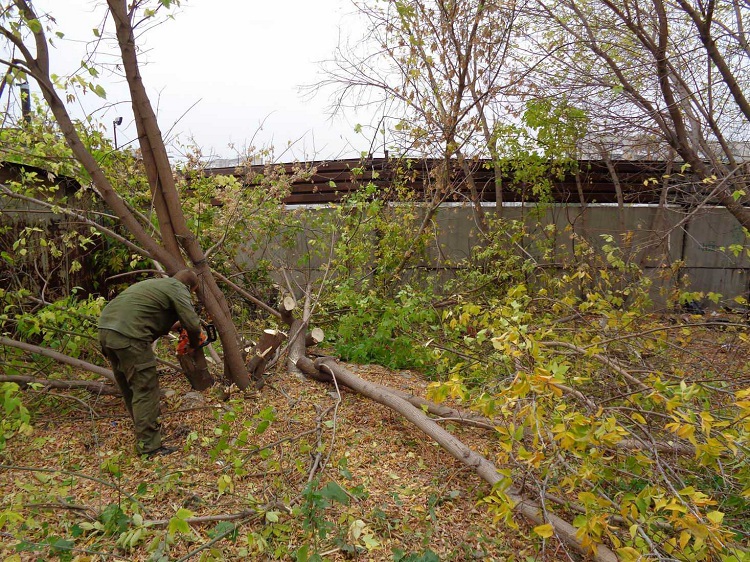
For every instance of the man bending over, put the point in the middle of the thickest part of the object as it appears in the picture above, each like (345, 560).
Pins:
(128, 326)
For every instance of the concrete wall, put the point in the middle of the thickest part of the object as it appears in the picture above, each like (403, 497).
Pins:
(656, 240)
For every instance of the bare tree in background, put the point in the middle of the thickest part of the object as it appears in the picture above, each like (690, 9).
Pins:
(657, 78)
(438, 69)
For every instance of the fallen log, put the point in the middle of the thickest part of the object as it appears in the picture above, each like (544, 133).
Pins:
(423, 404)
(476, 420)
(60, 357)
(483, 467)
(93, 387)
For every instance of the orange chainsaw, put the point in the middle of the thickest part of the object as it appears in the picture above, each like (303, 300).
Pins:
(183, 345)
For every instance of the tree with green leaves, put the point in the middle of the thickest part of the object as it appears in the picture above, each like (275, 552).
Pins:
(29, 36)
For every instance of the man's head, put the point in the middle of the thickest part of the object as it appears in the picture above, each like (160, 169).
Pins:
(188, 278)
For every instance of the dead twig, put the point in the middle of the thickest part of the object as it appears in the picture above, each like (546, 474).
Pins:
(611, 363)
(272, 445)
(62, 504)
(219, 537)
(75, 475)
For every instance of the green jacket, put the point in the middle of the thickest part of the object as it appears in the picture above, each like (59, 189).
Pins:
(147, 310)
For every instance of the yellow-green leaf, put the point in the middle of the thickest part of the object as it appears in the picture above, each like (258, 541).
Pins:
(628, 554)
(715, 517)
(545, 531)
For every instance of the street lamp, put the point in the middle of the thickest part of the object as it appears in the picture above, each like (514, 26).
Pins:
(115, 123)
(25, 101)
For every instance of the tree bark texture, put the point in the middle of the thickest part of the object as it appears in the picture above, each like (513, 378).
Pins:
(195, 367)
(297, 333)
(296, 349)
(262, 352)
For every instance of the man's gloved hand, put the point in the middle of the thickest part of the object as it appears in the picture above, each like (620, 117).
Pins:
(183, 346)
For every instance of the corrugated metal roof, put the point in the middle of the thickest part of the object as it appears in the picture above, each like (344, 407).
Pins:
(14, 171)
(329, 181)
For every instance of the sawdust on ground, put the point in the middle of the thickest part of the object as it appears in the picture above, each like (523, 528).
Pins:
(415, 495)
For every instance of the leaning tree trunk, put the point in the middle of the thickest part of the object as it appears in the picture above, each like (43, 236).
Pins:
(483, 467)
(167, 202)
(38, 67)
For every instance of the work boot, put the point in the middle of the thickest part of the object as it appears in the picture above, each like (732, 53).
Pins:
(160, 452)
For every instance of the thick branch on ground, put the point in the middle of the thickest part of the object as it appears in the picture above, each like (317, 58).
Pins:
(483, 467)
(93, 387)
(57, 356)
(476, 420)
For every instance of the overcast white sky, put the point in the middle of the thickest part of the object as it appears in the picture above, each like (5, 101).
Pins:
(224, 67)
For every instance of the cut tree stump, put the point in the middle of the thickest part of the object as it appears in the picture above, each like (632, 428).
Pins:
(314, 337)
(297, 334)
(195, 368)
(261, 354)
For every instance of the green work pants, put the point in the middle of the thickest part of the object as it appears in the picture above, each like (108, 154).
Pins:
(134, 366)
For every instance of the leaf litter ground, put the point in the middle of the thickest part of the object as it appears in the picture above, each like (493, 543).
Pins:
(405, 494)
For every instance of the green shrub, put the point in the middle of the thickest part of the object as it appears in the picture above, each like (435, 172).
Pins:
(383, 330)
